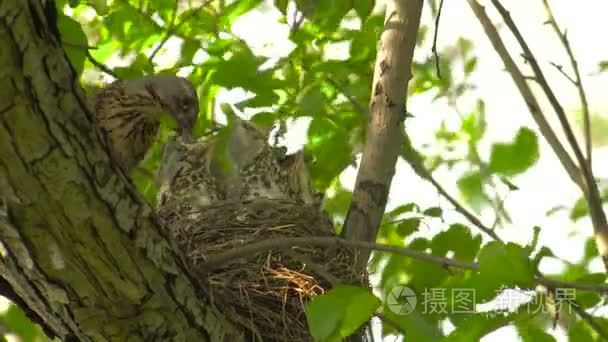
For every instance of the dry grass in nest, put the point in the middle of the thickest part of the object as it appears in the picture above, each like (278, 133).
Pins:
(265, 292)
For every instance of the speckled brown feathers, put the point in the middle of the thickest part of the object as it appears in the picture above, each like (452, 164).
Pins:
(191, 177)
(129, 113)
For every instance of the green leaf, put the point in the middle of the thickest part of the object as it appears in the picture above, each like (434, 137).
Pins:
(404, 208)
(189, 49)
(590, 249)
(340, 312)
(469, 65)
(415, 325)
(329, 145)
(580, 331)
(17, 322)
(433, 212)
(236, 9)
(264, 119)
(421, 273)
(363, 45)
(544, 251)
(74, 40)
(588, 299)
(104, 51)
(471, 188)
(311, 100)
(364, 8)
(281, 5)
(408, 226)
(516, 157)
(477, 326)
(100, 6)
(474, 124)
(326, 14)
(531, 332)
(579, 210)
(466, 247)
(502, 265)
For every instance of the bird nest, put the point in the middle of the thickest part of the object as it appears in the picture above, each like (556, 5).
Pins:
(264, 291)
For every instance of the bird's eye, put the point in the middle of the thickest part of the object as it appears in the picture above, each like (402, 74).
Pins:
(185, 104)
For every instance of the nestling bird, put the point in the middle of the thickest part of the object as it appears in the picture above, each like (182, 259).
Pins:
(129, 111)
(238, 164)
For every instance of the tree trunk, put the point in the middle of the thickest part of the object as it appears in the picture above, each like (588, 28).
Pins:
(79, 245)
(385, 132)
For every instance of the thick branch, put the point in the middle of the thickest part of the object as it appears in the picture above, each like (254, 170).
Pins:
(385, 129)
(283, 244)
(80, 246)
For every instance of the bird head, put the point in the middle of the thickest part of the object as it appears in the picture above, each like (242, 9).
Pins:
(172, 95)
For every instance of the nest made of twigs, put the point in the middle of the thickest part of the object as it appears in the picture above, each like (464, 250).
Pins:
(265, 292)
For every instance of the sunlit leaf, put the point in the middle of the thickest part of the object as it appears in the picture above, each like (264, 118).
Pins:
(363, 8)
(340, 312)
(477, 326)
(466, 248)
(18, 323)
(74, 40)
(502, 265)
(433, 212)
(471, 188)
(533, 333)
(516, 157)
(408, 226)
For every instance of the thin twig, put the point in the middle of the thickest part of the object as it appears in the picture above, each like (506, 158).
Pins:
(590, 190)
(577, 81)
(422, 172)
(434, 48)
(219, 259)
(353, 101)
(587, 317)
(462, 210)
(561, 71)
(150, 21)
(413, 158)
(167, 33)
(173, 28)
(80, 46)
(546, 130)
(601, 289)
(526, 92)
(540, 79)
(101, 66)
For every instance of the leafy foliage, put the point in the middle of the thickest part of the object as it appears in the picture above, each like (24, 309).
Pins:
(14, 322)
(516, 157)
(340, 312)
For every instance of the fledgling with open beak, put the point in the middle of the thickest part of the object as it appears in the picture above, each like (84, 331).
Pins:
(129, 111)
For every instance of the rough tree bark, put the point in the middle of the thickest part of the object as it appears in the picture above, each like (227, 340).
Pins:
(385, 133)
(79, 245)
